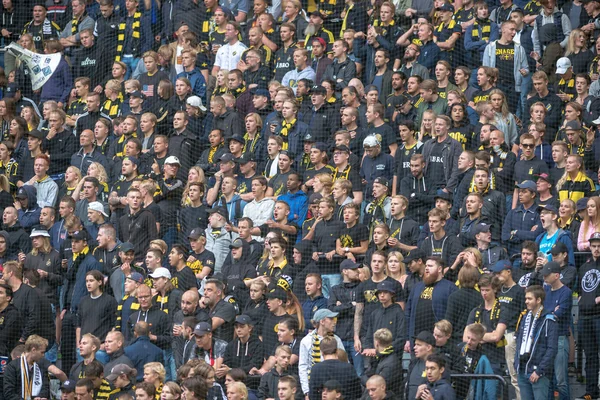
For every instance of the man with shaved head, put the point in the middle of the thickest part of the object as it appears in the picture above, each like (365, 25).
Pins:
(189, 308)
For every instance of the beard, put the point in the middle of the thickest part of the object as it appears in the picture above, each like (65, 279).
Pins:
(485, 143)
(409, 58)
(430, 278)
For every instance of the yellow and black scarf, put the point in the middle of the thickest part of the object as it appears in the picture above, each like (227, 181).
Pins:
(212, 151)
(286, 129)
(137, 17)
(75, 23)
(486, 27)
(250, 144)
(237, 92)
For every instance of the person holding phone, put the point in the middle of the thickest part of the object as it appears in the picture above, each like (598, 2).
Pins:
(436, 387)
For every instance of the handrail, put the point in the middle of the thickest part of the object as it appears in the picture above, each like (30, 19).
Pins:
(503, 381)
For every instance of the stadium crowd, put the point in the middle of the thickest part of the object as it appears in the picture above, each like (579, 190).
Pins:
(299, 199)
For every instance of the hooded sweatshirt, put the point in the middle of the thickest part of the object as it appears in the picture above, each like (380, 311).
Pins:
(30, 216)
(236, 272)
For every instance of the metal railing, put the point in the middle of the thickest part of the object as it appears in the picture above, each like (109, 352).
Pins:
(503, 381)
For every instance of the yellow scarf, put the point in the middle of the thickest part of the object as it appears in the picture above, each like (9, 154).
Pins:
(137, 16)
(286, 128)
(83, 252)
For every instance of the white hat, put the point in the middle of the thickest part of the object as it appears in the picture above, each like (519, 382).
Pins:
(371, 141)
(161, 273)
(195, 101)
(172, 160)
(562, 65)
(39, 232)
(97, 206)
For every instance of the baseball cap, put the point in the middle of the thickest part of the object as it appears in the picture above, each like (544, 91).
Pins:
(386, 286)
(21, 193)
(195, 101)
(68, 386)
(371, 141)
(277, 293)
(219, 210)
(245, 158)
(501, 266)
(544, 176)
(530, 185)
(342, 147)
(136, 277)
(11, 89)
(559, 248)
(160, 272)
(551, 267)
(132, 159)
(202, 329)
(172, 160)
(320, 146)
(79, 235)
(382, 181)
(348, 264)
(37, 134)
(244, 320)
(121, 369)
(138, 94)
(196, 233)
(444, 196)
(446, 7)
(97, 206)
(35, 232)
(125, 247)
(562, 65)
(416, 254)
(262, 92)
(309, 138)
(318, 90)
(315, 198)
(426, 337)
(481, 227)
(332, 384)
(548, 207)
(595, 236)
(226, 157)
(582, 204)
(236, 244)
(238, 138)
(323, 313)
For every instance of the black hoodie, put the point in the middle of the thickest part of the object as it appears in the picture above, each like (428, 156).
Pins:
(18, 240)
(235, 273)
(306, 266)
(244, 355)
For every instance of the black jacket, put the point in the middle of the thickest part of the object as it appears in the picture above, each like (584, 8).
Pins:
(12, 381)
(18, 240)
(268, 385)
(345, 293)
(49, 262)
(159, 325)
(91, 62)
(389, 367)
(342, 372)
(10, 329)
(138, 229)
(391, 318)
(459, 302)
(229, 123)
(29, 304)
(61, 149)
(244, 355)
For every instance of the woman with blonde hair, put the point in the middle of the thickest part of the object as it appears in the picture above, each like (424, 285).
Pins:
(323, 184)
(578, 52)
(566, 217)
(155, 373)
(71, 183)
(504, 120)
(237, 391)
(426, 130)
(253, 139)
(47, 262)
(574, 184)
(395, 267)
(195, 175)
(95, 170)
(590, 224)
(221, 86)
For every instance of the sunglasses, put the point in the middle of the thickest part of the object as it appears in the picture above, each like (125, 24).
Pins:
(528, 145)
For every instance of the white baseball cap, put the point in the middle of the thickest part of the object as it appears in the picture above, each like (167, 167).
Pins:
(161, 273)
(371, 141)
(562, 65)
(172, 160)
(97, 206)
(195, 101)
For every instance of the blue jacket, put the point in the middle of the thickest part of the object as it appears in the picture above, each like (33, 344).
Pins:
(30, 217)
(564, 237)
(197, 80)
(77, 285)
(58, 87)
(485, 389)
(295, 137)
(475, 48)
(141, 351)
(520, 220)
(441, 291)
(298, 203)
(310, 306)
(544, 347)
(430, 54)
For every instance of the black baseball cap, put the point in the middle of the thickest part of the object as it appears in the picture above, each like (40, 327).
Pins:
(427, 337)
(416, 254)
(559, 248)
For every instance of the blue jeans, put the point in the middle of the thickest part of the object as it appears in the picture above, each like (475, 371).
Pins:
(590, 339)
(356, 358)
(170, 366)
(561, 370)
(52, 352)
(533, 391)
(131, 63)
(526, 86)
(329, 281)
(170, 237)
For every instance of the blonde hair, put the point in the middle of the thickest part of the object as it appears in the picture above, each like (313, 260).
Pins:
(240, 387)
(571, 48)
(565, 176)
(102, 175)
(424, 131)
(326, 180)
(46, 246)
(400, 259)
(77, 172)
(504, 111)
(185, 201)
(157, 368)
(4, 183)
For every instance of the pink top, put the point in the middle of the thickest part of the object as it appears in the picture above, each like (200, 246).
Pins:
(583, 243)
